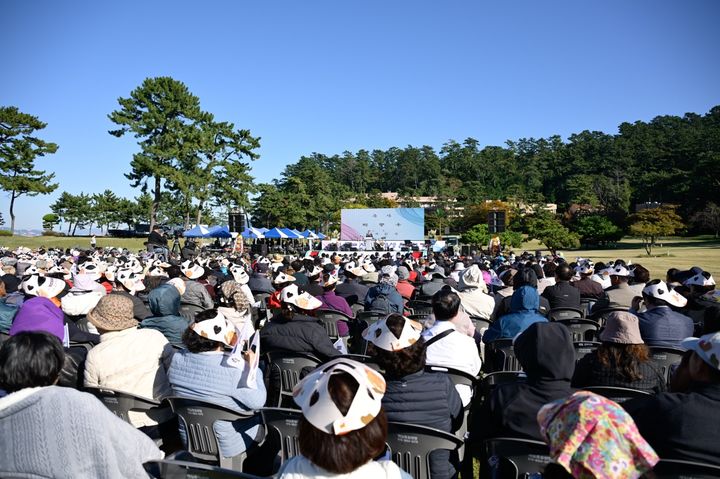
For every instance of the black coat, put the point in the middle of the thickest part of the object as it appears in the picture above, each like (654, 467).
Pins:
(681, 425)
(302, 334)
(562, 295)
(352, 291)
(590, 372)
(427, 399)
(546, 353)
(259, 283)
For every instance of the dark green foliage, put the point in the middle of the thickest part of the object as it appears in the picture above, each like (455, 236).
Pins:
(511, 239)
(596, 229)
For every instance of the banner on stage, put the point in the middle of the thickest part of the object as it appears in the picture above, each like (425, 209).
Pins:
(374, 224)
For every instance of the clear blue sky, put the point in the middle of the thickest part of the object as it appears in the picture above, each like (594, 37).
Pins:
(330, 76)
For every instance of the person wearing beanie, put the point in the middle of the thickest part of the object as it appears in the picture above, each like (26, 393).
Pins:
(128, 359)
(622, 360)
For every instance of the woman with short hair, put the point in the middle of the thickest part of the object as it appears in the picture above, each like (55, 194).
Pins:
(87, 440)
(343, 428)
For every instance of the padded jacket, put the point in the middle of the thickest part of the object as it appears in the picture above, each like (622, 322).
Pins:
(661, 326)
(207, 377)
(427, 399)
(302, 334)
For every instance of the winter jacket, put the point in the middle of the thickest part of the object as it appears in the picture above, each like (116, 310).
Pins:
(427, 399)
(589, 288)
(431, 287)
(197, 295)
(476, 303)
(661, 326)
(405, 289)
(133, 361)
(352, 291)
(396, 304)
(546, 353)
(590, 372)
(502, 307)
(681, 425)
(333, 302)
(208, 377)
(87, 440)
(523, 312)
(619, 296)
(302, 334)
(562, 295)
(165, 306)
(259, 283)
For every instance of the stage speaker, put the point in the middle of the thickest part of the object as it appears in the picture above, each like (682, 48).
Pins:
(236, 222)
(496, 222)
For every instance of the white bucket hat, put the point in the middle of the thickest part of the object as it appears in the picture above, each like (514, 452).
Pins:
(660, 290)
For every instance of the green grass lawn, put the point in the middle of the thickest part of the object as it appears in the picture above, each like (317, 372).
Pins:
(703, 251)
(681, 253)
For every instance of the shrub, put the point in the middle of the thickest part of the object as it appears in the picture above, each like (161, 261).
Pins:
(52, 233)
(6, 233)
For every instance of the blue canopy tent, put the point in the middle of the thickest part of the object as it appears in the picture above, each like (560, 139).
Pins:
(276, 233)
(252, 233)
(263, 230)
(321, 236)
(196, 232)
(218, 232)
(309, 234)
(290, 233)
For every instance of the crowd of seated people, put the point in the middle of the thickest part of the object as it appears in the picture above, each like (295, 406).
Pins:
(107, 318)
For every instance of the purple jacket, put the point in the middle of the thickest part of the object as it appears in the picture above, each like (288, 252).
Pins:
(333, 302)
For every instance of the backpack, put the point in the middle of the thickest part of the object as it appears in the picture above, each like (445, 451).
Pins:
(381, 303)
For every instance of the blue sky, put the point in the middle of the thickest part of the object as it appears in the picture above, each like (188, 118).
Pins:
(330, 76)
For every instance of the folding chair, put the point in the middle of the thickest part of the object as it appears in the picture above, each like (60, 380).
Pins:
(583, 348)
(665, 358)
(617, 394)
(289, 366)
(500, 356)
(600, 316)
(281, 428)
(330, 319)
(371, 317)
(489, 381)
(172, 469)
(676, 469)
(557, 314)
(198, 417)
(515, 458)
(582, 329)
(121, 403)
(420, 307)
(586, 304)
(410, 446)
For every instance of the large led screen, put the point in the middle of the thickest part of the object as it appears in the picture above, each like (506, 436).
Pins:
(383, 224)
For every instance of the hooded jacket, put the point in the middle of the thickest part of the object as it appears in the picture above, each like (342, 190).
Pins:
(523, 312)
(165, 306)
(394, 298)
(545, 351)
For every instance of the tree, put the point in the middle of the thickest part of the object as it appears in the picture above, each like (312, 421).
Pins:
(511, 239)
(162, 114)
(596, 229)
(49, 221)
(708, 218)
(18, 149)
(105, 209)
(651, 223)
(74, 210)
(477, 235)
(545, 227)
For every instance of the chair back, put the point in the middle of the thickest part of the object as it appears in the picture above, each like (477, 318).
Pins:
(330, 319)
(420, 307)
(581, 329)
(583, 348)
(282, 429)
(600, 316)
(500, 356)
(510, 457)
(410, 446)
(489, 381)
(198, 418)
(368, 361)
(617, 394)
(455, 375)
(675, 469)
(665, 358)
(558, 314)
(172, 469)
(289, 366)
(121, 403)
(586, 304)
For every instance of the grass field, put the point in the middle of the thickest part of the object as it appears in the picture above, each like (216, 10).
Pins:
(703, 251)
